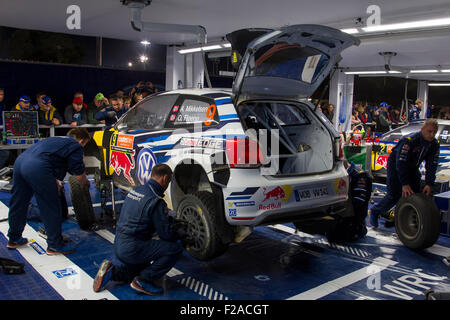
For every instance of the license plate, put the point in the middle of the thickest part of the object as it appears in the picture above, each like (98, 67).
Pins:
(310, 193)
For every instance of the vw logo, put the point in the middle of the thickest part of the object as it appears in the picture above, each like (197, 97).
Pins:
(146, 161)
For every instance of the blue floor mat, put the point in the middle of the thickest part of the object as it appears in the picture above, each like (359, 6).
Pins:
(27, 286)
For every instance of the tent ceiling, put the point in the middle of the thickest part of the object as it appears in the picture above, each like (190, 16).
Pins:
(111, 19)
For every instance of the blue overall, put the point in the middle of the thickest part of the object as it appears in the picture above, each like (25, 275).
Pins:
(403, 168)
(137, 253)
(35, 172)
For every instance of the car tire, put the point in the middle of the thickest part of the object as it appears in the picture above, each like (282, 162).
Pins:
(82, 204)
(417, 221)
(200, 211)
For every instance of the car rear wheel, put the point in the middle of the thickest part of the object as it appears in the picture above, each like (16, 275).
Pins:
(200, 211)
(82, 203)
(417, 221)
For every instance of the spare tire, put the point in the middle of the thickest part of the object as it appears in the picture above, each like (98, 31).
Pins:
(82, 203)
(417, 221)
(200, 211)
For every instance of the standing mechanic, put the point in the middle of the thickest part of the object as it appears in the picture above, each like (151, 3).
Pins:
(37, 171)
(403, 175)
(139, 257)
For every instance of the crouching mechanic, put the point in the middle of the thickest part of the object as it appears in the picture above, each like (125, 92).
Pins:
(139, 256)
(403, 175)
(37, 171)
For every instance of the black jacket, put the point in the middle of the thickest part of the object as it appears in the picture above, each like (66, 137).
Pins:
(410, 152)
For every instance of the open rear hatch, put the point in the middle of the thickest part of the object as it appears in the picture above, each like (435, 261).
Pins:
(278, 71)
(289, 63)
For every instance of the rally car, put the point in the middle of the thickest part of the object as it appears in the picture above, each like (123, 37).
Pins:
(389, 140)
(257, 154)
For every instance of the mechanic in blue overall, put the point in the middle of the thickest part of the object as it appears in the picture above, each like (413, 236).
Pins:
(403, 175)
(139, 257)
(37, 171)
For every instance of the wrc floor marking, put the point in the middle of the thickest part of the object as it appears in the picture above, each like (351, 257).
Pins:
(77, 286)
(191, 283)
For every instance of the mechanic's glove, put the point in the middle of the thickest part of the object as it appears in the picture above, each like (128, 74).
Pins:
(111, 114)
(182, 230)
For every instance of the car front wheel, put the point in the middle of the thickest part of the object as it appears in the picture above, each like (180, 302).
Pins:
(200, 211)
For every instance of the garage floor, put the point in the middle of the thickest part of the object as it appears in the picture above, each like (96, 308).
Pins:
(274, 263)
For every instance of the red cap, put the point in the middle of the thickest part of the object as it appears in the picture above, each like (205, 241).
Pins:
(77, 100)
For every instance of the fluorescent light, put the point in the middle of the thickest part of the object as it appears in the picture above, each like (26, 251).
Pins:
(145, 42)
(394, 71)
(213, 47)
(424, 71)
(439, 84)
(191, 50)
(409, 25)
(226, 45)
(350, 30)
(445, 70)
(365, 72)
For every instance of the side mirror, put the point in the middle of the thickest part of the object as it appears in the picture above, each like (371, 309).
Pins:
(122, 127)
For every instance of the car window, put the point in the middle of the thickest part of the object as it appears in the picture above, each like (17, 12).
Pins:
(289, 61)
(150, 114)
(287, 115)
(444, 136)
(192, 111)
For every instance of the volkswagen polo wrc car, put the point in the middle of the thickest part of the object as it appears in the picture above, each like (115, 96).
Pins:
(256, 154)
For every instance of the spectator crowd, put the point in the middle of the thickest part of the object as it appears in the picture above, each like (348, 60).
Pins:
(382, 117)
(100, 110)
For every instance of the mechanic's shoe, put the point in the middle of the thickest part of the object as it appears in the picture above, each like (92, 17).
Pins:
(145, 287)
(16, 244)
(373, 218)
(389, 223)
(64, 249)
(103, 275)
(446, 261)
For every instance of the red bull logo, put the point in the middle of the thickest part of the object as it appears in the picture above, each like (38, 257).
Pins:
(278, 193)
(382, 161)
(123, 162)
(340, 187)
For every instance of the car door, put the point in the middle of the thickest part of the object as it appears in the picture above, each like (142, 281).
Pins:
(289, 63)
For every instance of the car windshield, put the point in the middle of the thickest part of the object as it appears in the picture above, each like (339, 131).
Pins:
(289, 61)
(150, 114)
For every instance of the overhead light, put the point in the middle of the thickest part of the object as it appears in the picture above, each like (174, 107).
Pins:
(424, 71)
(145, 42)
(213, 47)
(439, 84)
(350, 30)
(143, 58)
(205, 48)
(366, 72)
(445, 70)
(130, 64)
(191, 50)
(394, 71)
(409, 25)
